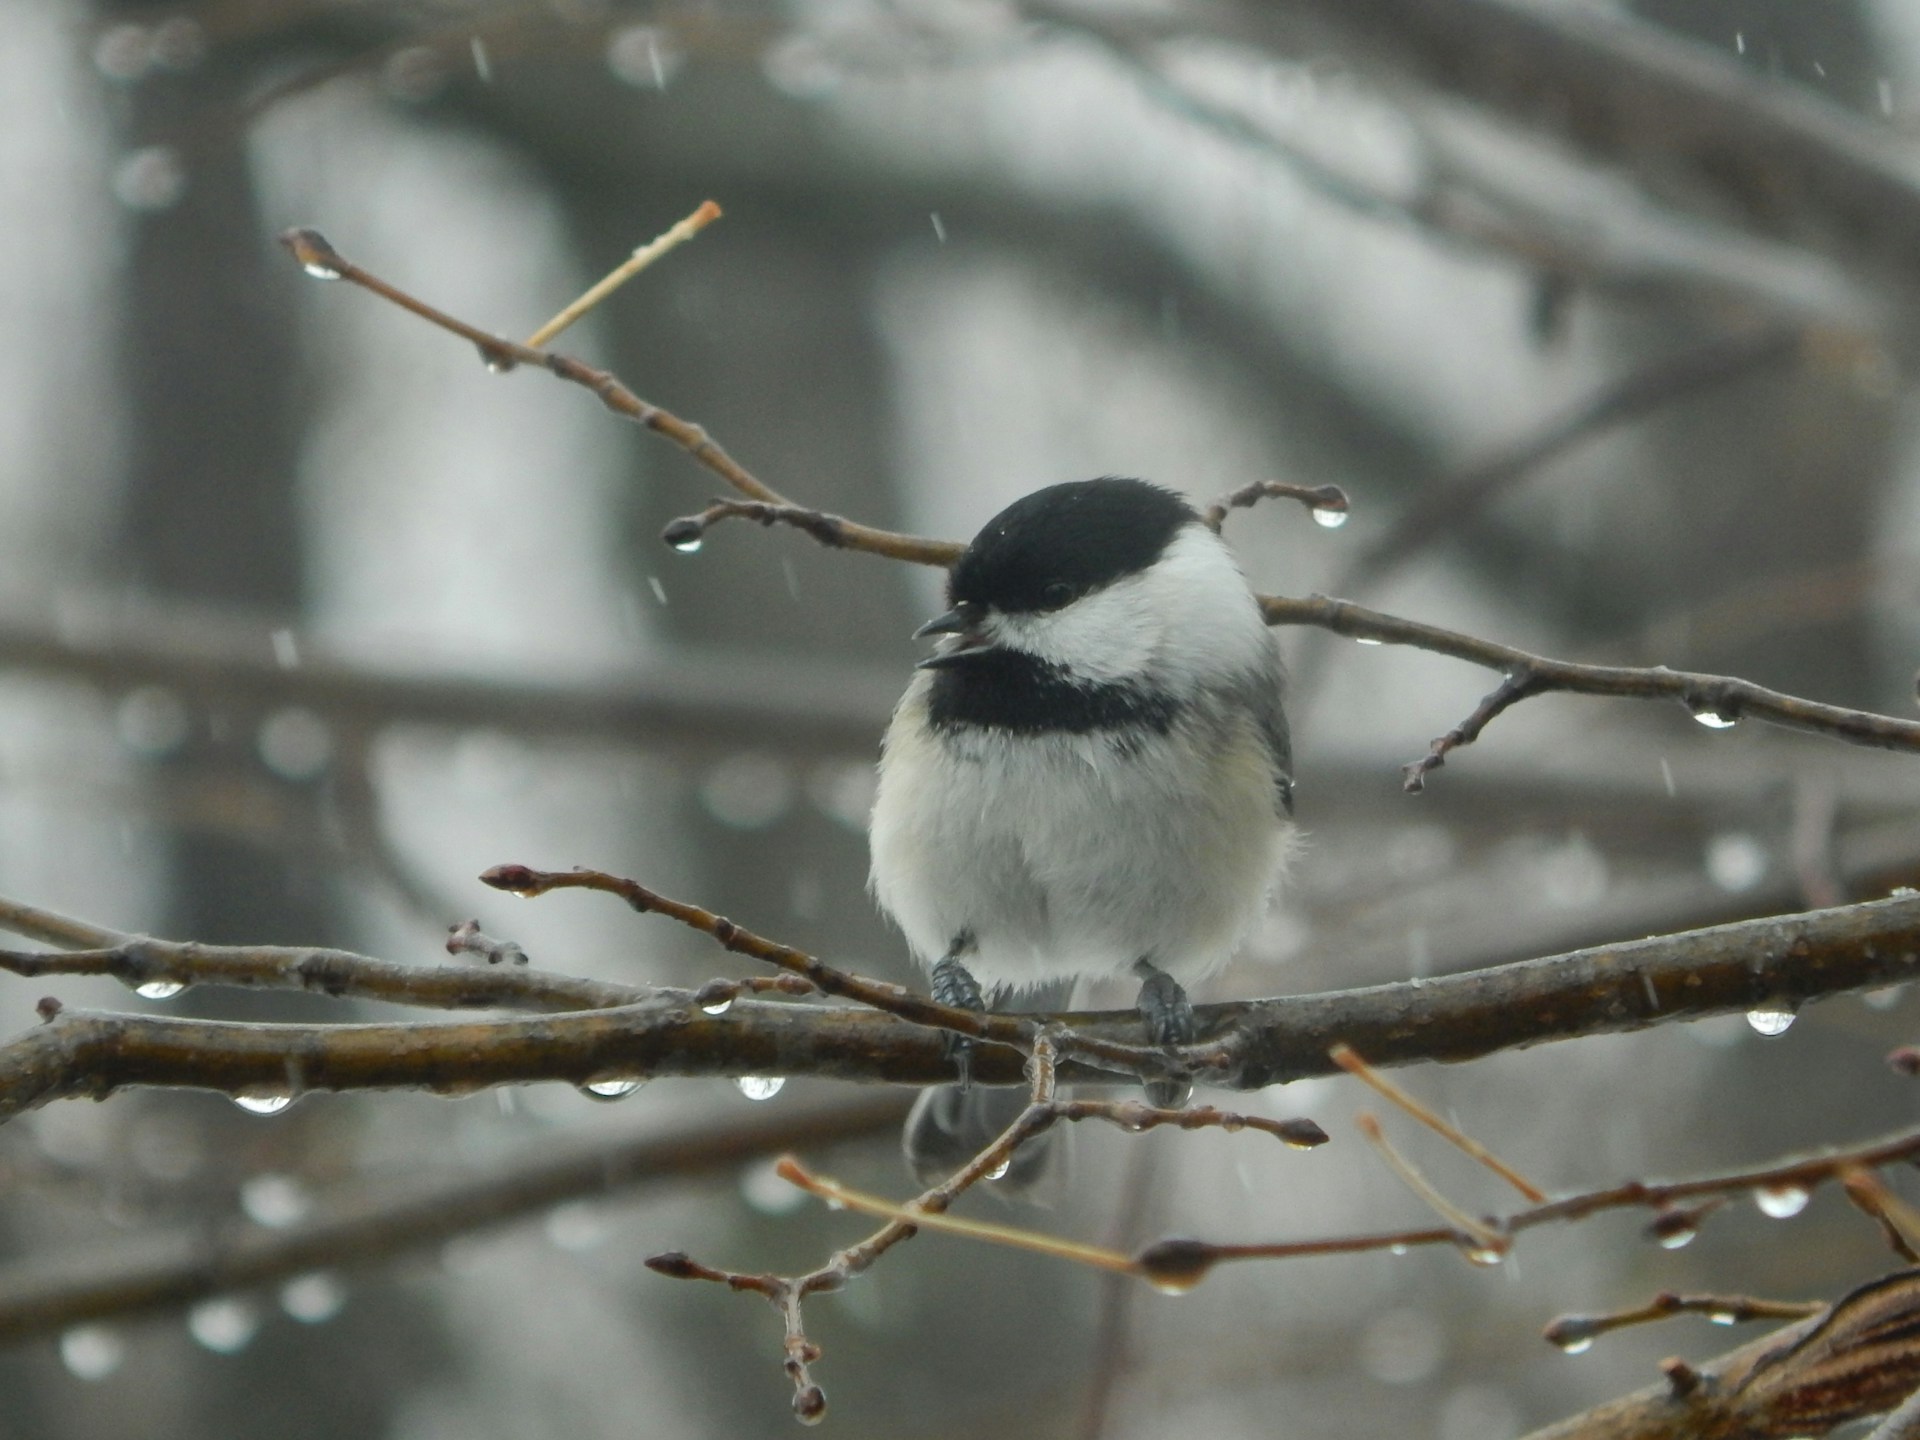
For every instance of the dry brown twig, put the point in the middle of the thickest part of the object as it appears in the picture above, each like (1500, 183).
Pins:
(788, 1293)
(1576, 1333)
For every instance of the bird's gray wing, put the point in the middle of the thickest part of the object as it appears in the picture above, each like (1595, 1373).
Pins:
(1272, 719)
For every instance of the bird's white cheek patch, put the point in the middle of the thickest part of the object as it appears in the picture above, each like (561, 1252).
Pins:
(1103, 637)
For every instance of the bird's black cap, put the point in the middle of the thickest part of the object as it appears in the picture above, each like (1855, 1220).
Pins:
(1053, 546)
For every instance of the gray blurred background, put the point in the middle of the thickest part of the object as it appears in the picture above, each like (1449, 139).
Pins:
(247, 521)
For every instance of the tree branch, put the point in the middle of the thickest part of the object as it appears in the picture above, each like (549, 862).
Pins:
(1714, 698)
(1858, 1358)
(1771, 964)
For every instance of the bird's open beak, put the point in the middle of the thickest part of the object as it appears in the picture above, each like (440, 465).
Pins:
(962, 621)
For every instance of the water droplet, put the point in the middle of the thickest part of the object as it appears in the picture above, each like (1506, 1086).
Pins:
(762, 1187)
(151, 178)
(152, 721)
(999, 1172)
(92, 1352)
(643, 56)
(610, 1087)
(1367, 640)
(719, 1007)
(1485, 1255)
(1397, 1249)
(690, 546)
(1576, 1345)
(1736, 861)
(225, 1325)
(760, 1087)
(1770, 1020)
(316, 1296)
(295, 743)
(123, 52)
(1781, 1202)
(1176, 1284)
(1327, 517)
(1674, 1229)
(275, 1201)
(576, 1226)
(263, 1102)
(159, 989)
(1885, 998)
(1714, 720)
(1721, 1317)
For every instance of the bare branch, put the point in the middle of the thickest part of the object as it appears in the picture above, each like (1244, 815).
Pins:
(1575, 1333)
(1019, 1031)
(1856, 1359)
(1716, 700)
(322, 261)
(1328, 504)
(1349, 1060)
(165, 967)
(1776, 963)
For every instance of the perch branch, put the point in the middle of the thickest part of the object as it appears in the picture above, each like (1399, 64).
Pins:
(1772, 963)
(1018, 1031)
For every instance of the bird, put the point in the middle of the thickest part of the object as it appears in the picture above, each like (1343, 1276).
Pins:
(1091, 776)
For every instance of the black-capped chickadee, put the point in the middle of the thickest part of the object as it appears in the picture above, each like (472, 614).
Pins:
(1090, 777)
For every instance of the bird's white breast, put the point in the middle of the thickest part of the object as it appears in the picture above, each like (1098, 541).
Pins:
(1076, 854)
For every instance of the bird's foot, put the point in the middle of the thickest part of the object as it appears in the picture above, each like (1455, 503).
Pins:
(1168, 1014)
(953, 984)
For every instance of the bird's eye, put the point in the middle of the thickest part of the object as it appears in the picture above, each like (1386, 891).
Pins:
(1056, 595)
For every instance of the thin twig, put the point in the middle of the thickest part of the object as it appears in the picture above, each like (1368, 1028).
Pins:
(1575, 1333)
(1486, 1241)
(1716, 699)
(678, 234)
(1327, 503)
(322, 261)
(169, 966)
(1017, 1031)
(1899, 1222)
(1349, 1060)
